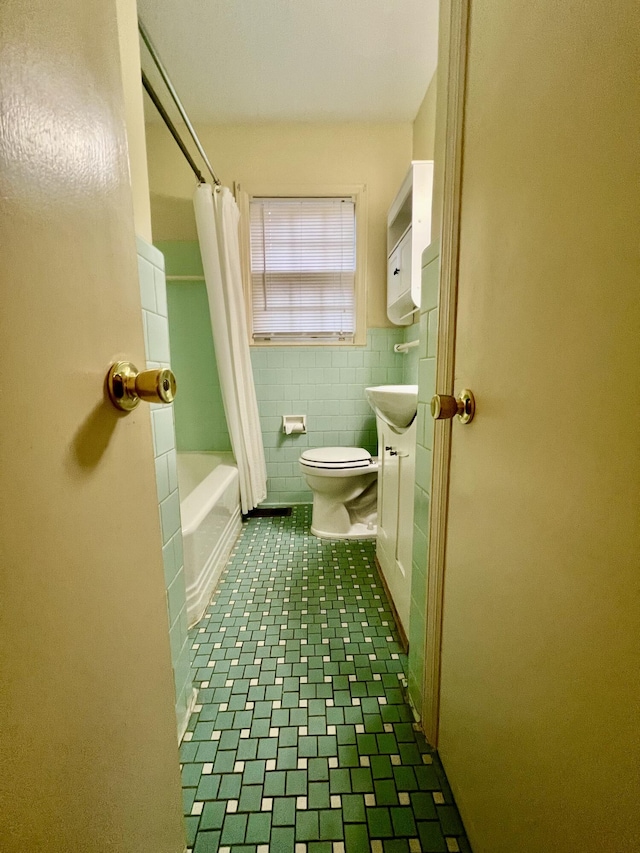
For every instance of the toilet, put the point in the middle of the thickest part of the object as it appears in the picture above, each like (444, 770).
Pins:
(344, 485)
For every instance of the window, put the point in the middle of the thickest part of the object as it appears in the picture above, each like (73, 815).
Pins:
(303, 269)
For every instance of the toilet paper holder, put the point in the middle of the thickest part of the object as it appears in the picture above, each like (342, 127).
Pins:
(294, 424)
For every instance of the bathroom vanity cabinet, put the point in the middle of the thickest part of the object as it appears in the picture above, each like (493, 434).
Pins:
(394, 545)
(408, 234)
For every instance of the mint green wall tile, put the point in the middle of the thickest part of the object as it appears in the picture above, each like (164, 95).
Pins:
(421, 511)
(428, 428)
(199, 413)
(162, 477)
(410, 359)
(424, 335)
(153, 290)
(430, 285)
(432, 334)
(181, 257)
(147, 284)
(426, 379)
(169, 562)
(423, 468)
(149, 253)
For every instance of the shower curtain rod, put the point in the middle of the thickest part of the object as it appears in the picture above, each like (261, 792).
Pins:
(154, 97)
(172, 128)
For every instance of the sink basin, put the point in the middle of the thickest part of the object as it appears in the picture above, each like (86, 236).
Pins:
(395, 404)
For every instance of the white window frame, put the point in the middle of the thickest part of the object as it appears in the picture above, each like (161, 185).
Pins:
(357, 192)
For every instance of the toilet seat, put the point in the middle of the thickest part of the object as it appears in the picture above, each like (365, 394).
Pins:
(337, 458)
(344, 485)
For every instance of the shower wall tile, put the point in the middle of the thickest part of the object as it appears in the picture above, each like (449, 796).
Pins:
(170, 516)
(147, 284)
(200, 418)
(156, 326)
(162, 477)
(163, 429)
(426, 371)
(157, 337)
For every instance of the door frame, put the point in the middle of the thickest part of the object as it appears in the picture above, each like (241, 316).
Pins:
(454, 52)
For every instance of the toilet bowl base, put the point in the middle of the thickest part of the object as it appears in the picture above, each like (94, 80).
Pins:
(357, 531)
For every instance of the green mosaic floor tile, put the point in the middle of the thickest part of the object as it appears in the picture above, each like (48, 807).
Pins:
(356, 838)
(188, 796)
(450, 820)
(213, 815)
(233, 831)
(423, 806)
(208, 788)
(302, 734)
(207, 842)
(296, 783)
(331, 825)
(431, 837)
(258, 828)
(318, 796)
(254, 772)
(386, 794)
(361, 781)
(283, 839)
(318, 770)
(403, 822)
(191, 828)
(307, 826)
(396, 845)
(230, 786)
(379, 821)
(353, 808)
(250, 798)
(284, 811)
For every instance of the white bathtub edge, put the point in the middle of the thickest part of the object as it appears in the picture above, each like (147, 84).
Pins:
(195, 507)
(199, 593)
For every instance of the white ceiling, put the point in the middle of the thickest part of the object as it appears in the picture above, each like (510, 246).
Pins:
(295, 60)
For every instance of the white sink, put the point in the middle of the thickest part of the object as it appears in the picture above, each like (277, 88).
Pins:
(395, 404)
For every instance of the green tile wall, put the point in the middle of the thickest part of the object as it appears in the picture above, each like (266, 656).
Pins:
(324, 383)
(156, 337)
(410, 360)
(426, 371)
(327, 385)
(200, 419)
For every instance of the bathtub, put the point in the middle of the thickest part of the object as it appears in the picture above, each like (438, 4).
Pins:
(211, 521)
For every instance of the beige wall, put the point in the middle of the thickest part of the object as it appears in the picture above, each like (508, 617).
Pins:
(377, 155)
(134, 114)
(424, 124)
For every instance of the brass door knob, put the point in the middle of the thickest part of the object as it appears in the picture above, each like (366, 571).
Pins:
(445, 406)
(126, 386)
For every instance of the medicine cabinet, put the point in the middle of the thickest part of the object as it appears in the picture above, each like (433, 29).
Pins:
(408, 235)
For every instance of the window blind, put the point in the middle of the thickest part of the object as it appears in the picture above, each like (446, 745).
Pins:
(303, 266)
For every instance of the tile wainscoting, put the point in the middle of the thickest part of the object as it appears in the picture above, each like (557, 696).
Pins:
(156, 339)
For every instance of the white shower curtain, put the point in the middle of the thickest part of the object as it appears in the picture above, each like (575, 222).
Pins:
(217, 217)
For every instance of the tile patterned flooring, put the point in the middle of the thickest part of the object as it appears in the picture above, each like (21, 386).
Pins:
(302, 741)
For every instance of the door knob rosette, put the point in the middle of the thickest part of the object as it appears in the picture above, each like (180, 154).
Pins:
(126, 386)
